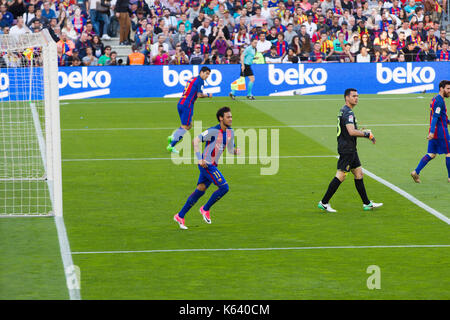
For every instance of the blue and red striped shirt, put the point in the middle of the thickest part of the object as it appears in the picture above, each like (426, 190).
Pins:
(438, 118)
(192, 88)
(216, 141)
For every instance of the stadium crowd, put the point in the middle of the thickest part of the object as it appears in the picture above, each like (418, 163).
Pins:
(177, 32)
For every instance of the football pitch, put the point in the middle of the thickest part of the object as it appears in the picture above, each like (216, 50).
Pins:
(268, 239)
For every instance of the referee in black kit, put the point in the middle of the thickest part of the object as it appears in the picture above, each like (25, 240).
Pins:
(348, 155)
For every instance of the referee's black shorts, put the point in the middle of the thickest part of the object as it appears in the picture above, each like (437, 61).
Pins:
(348, 161)
(247, 71)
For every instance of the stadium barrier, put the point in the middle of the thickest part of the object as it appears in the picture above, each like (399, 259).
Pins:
(271, 79)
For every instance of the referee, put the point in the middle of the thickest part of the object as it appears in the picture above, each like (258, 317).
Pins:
(348, 155)
(247, 57)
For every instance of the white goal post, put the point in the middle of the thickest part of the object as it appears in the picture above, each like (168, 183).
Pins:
(30, 139)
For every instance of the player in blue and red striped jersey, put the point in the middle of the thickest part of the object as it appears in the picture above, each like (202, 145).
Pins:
(216, 139)
(438, 137)
(192, 91)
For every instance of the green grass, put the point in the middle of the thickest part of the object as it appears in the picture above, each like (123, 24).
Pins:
(128, 205)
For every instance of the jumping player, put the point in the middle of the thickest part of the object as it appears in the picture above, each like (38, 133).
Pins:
(348, 156)
(438, 137)
(192, 91)
(217, 139)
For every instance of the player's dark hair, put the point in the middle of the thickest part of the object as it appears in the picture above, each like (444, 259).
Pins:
(348, 91)
(221, 112)
(444, 83)
(205, 69)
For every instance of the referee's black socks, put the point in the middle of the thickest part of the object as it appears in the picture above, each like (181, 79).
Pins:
(359, 184)
(332, 188)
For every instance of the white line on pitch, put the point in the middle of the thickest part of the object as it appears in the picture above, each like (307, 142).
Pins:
(269, 249)
(168, 158)
(258, 127)
(408, 196)
(67, 102)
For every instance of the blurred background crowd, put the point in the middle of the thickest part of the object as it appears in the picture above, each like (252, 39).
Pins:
(163, 32)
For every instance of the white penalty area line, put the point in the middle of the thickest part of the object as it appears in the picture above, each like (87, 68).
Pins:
(193, 158)
(258, 127)
(408, 196)
(267, 249)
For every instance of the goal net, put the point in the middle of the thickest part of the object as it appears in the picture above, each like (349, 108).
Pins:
(30, 152)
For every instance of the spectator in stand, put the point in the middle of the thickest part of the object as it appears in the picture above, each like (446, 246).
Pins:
(197, 56)
(66, 44)
(19, 29)
(69, 30)
(281, 45)
(78, 21)
(170, 20)
(89, 59)
(102, 11)
(229, 57)
(188, 45)
(289, 34)
(180, 57)
(161, 58)
(272, 56)
(17, 8)
(393, 51)
(82, 44)
(28, 16)
(179, 36)
(62, 58)
(241, 38)
(410, 52)
(317, 55)
(346, 55)
(47, 12)
(7, 17)
(186, 22)
(410, 9)
(121, 9)
(443, 53)
(289, 57)
(155, 46)
(220, 43)
(73, 56)
(103, 60)
(263, 46)
(205, 28)
(354, 42)
(76, 62)
(89, 30)
(311, 27)
(442, 38)
(338, 44)
(426, 54)
(363, 55)
(146, 39)
(97, 46)
(113, 61)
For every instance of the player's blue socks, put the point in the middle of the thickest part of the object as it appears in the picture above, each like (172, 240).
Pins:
(219, 193)
(250, 87)
(177, 136)
(423, 162)
(447, 162)
(193, 198)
